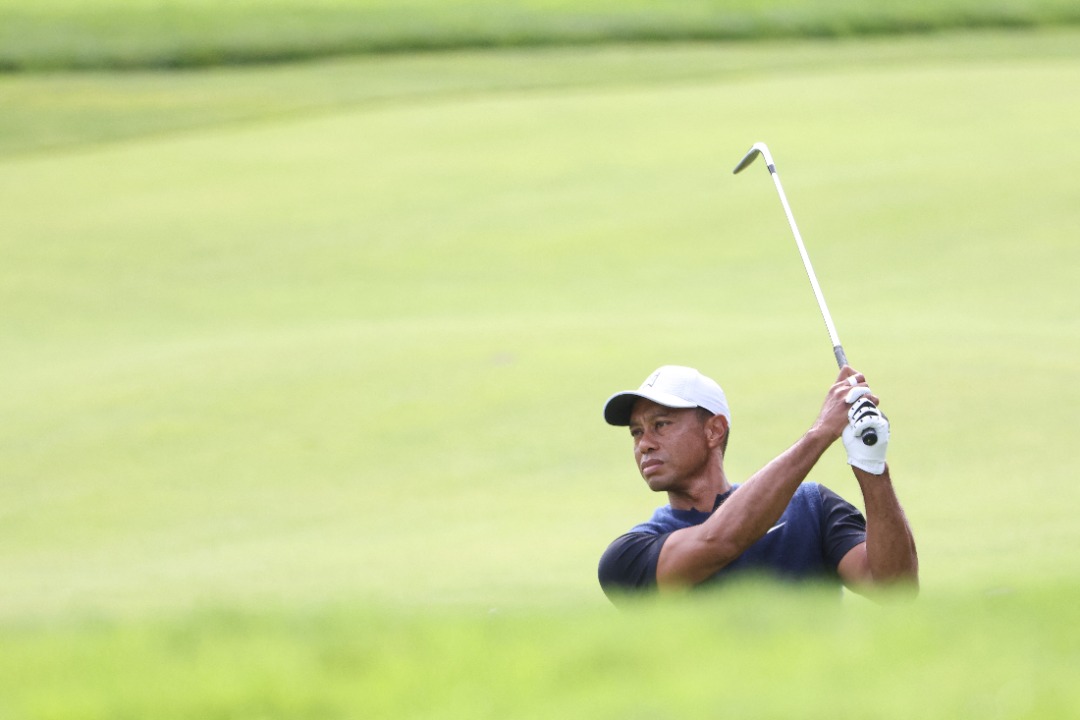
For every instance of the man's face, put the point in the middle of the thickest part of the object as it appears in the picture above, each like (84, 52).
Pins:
(670, 445)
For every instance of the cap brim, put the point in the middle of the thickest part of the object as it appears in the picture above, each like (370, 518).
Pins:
(619, 406)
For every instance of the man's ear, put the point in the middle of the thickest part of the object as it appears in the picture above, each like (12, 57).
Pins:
(716, 430)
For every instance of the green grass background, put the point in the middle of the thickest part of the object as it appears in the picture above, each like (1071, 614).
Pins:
(56, 34)
(302, 369)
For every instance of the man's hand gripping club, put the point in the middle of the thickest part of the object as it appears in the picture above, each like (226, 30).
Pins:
(863, 416)
(850, 410)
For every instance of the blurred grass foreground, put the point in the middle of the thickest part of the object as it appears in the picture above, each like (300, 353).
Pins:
(760, 652)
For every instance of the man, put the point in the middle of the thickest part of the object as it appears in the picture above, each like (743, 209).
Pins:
(775, 523)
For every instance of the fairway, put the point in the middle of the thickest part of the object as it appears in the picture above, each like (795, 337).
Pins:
(306, 364)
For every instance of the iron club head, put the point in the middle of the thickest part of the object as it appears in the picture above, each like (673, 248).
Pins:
(751, 156)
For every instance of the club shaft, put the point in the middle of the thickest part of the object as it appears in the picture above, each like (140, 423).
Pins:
(869, 437)
(838, 350)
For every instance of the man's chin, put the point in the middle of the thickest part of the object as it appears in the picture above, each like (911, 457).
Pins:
(657, 483)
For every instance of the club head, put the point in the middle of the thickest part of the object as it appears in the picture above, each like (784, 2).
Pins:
(751, 156)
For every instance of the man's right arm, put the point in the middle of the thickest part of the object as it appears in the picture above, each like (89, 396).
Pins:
(694, 554)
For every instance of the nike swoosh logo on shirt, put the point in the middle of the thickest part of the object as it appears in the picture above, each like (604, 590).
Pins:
(775, 527)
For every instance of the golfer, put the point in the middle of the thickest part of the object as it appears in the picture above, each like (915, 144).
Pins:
(774, 524)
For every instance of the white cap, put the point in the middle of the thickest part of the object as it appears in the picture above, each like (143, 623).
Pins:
(672, 386)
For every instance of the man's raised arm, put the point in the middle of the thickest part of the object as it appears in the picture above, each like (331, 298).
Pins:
(692, 555)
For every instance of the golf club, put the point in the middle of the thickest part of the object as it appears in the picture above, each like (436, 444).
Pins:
(869, 437)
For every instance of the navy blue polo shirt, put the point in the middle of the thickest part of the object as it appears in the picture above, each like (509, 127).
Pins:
(817, 529)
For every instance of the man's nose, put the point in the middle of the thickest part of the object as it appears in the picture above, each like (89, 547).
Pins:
(646, 442)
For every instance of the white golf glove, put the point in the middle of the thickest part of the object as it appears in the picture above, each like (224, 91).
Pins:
(863, 415)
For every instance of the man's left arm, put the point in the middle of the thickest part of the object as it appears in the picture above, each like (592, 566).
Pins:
(888, 557)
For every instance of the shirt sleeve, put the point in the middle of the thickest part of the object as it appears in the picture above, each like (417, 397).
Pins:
(843, 526)
(629, 563)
